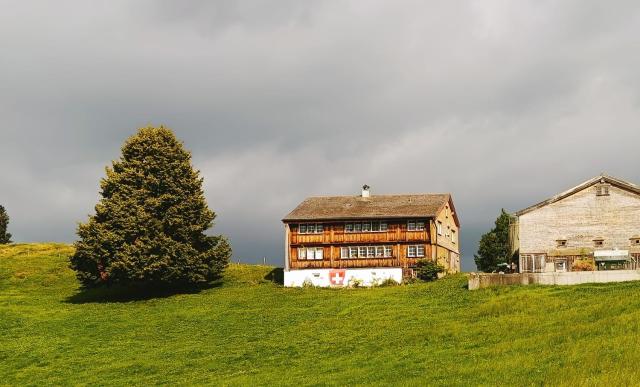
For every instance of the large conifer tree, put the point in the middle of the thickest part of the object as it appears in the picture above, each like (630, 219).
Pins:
(494, 246)
(5, 237)
(149, 225)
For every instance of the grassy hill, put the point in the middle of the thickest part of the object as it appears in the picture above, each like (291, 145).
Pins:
(252, 331)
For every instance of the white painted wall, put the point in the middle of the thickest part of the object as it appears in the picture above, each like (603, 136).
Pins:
(320, 277)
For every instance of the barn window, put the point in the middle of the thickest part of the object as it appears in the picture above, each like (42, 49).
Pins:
(602, 190)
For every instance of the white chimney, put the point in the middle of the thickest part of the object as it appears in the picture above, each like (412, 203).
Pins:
(365, 191)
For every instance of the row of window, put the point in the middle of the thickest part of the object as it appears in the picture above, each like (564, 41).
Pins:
(310, 253)
(316, 253)
(597, 242)
(366, 227)
(310, 228)
(366, 252)
(317, 228)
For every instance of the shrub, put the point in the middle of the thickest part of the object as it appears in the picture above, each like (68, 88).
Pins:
(149, 226)
(583, 265)
(5, 237)
(388, 282)
(428, 270)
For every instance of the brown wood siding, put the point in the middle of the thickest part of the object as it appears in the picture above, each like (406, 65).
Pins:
(334, 233)
(334, 237)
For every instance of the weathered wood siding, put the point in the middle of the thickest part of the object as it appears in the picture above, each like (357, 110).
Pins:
(334, 237)
(580, 219)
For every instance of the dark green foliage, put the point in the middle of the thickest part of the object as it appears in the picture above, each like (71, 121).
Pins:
(5, 237)
(428, 270)
(494, 246)
(149, 226)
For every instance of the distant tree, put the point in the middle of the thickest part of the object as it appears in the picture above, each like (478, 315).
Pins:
(5, 237)
(149, 226)
(494, 246)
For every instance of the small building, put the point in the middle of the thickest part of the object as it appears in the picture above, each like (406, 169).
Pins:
(593, 226)
(343, 240)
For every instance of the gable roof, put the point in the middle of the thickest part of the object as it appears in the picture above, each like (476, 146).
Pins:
(373, 207)
(622, 184)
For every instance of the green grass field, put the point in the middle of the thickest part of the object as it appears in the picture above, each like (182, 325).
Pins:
(253, 331)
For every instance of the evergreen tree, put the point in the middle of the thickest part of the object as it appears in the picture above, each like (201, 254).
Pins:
(494, 246)
(148, 227)
(5, 237)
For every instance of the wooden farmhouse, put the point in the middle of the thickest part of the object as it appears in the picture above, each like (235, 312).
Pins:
(342, 240)
(593, 226)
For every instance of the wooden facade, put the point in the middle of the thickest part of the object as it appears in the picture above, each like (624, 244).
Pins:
(597, 221)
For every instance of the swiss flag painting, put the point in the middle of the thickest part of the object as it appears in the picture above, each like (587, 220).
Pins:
(336, 277)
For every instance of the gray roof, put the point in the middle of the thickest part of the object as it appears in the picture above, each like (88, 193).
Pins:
(373, 207)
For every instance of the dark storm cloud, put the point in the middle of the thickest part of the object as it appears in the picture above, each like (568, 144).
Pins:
(500, 103)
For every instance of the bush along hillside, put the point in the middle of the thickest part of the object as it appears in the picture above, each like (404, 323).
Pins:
(149, 226)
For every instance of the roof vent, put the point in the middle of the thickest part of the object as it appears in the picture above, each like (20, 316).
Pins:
(365, 191)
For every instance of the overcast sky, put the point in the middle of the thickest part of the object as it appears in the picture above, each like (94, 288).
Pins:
(501, 103)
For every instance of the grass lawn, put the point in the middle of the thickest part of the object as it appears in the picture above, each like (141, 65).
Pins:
(252, 331)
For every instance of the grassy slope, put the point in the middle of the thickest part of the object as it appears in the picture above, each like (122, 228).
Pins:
(252, 331)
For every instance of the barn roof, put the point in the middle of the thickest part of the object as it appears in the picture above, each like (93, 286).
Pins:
(622, 184)
(373, 207)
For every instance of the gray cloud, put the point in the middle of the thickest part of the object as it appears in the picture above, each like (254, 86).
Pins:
(500, 103)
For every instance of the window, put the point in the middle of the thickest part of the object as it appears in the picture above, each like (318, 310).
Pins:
(415, 251)
(362, 251)
(561, 243)
(383, 226)
(602, 190)
(319, 253)
(411, 251)
(371, 252)
(453, 237)
(439, 228)
(310, 228)
(357, 227)
(379, 251)
(388, 251)
(366, 227)
(375, 226)
(344, 252)
(302, 253)
(353, 252)
(348, 227)
(598, 242)
(635, 241)
(419, 226)
(411, 226)
(561, 266)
